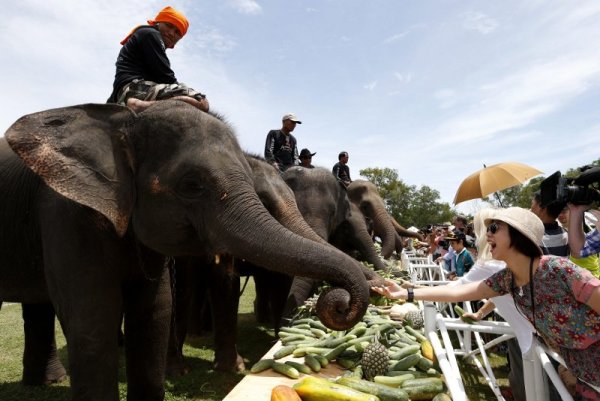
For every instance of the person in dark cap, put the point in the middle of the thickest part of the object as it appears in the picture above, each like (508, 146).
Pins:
(306, 158)
(143, 70)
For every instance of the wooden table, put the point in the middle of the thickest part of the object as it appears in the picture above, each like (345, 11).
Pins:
(257, 387)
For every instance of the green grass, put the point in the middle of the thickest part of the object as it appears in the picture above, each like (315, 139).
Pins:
(202, 383)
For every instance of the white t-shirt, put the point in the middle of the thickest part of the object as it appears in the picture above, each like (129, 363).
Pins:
(504, 303)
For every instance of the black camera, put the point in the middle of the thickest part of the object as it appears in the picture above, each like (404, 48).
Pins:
(428, 229)
(579, 191)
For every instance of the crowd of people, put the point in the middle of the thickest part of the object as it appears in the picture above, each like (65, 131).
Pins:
(541, 274)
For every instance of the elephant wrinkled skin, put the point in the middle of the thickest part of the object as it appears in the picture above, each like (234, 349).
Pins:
(96, 198)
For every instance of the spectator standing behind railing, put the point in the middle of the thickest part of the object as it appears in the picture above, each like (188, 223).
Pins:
(582, 244)
(560, 299)
(589, 262)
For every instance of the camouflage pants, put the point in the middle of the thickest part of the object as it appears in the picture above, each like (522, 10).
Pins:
(148, 90)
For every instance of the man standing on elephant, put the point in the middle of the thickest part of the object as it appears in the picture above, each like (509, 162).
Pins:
(341, 171)
(144, 72)
(280, 147)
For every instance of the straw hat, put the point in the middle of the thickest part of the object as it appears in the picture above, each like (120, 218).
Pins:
(522, 220)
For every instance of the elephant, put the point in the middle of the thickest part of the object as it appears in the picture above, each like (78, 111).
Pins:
(96, 200)
(272, 288)
(325, 206)
(365, 196)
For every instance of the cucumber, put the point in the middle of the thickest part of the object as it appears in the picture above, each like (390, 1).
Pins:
(295, 337)
(318, 325)
(318, 332)
(285, 370)
(407, 362)
(334, 353)
(294, 330)
(408, 350)
(433, 382)
(322, 360)
(301, 351)
(442, 397)
(424, 364)
(261, 365)
(312, 363)
(460, 312)
(416, 373)
(346, 363)
(383, 392)
(300, 367)
(284, 351)
(415, 333)
(395, 381)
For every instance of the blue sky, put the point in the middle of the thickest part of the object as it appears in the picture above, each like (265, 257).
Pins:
(433, 89)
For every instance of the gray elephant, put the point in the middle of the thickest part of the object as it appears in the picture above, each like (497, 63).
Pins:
(272, 288)
(365, 196)
(94, 197)
(324, 204)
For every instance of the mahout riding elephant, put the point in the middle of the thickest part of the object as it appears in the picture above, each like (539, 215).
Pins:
(325, 206)
(95, 200)
(365, 196)
(272, 288)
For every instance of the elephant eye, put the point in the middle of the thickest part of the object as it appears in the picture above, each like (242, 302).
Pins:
(190, 186)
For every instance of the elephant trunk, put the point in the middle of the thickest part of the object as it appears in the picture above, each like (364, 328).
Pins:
(259, 238)
(385, 229)
(404, 232)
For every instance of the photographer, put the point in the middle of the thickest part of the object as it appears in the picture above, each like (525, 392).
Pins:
(582, 244)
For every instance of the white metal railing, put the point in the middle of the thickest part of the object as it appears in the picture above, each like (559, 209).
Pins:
(537, 367)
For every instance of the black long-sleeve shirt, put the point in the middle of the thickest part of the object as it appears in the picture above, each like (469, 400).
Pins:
(143, 56)
(342, 172)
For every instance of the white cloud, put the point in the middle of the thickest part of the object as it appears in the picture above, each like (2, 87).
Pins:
(247, 6)
(403, 78)
(480, 22)
(370, 86)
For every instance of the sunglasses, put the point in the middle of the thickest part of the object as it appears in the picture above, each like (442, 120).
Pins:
(493, 228)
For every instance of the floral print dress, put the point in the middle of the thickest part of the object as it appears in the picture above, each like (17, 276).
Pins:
(562, 318)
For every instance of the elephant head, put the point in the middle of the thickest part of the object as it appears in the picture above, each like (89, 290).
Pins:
(324, 204)
(365, 196)
(176, 178)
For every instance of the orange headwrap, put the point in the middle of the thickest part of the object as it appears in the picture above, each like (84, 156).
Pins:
(167, 14)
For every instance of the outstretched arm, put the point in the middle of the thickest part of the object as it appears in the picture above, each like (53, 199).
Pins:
(576, 235)
(467, 292)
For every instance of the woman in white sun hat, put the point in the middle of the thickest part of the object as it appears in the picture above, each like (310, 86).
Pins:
(565, 310)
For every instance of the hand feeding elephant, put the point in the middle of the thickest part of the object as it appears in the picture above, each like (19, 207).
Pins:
(94, 200)
(324, 204)
(365, 196)
(272, 288)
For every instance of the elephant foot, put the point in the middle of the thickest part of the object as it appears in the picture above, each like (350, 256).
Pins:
(53, 374)
(176, 368)
(236, 366)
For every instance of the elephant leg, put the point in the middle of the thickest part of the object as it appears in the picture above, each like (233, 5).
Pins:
(278, 294)
(302, 288)
(262, 306)
(224, 299)
(183, 274)
(148, 308)
(41, 364)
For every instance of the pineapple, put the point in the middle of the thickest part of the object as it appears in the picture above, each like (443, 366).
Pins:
(375, 359)
(414, 319)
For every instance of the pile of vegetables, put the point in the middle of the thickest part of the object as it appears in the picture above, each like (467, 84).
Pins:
(411, 364)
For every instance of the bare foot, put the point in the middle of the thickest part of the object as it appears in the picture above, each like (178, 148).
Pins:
(199, 104)
(138, 105)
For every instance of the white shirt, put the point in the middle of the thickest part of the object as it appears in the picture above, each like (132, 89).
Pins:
(504, 303)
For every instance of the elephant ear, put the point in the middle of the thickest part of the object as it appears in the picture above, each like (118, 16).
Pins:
(82, 153)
